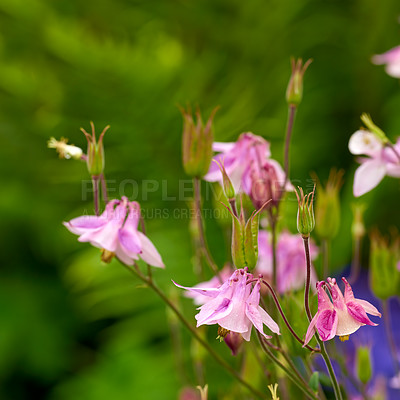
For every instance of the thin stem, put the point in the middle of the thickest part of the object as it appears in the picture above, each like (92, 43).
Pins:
(305, 389)
(355, 263)
(335, 384)
(325, 258)
(104, 190)
(324, 354)
(289, 129)
(308, 277)
(232, 202)
(284, 317)
(96, 200)
(274, 261)
(202, 237)
(392, 344)
(192, 330)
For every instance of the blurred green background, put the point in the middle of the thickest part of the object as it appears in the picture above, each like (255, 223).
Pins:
(72, 327)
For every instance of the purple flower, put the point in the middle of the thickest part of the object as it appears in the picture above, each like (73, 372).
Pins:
(382, 160)
(116, 232)
(234, 306)
(340, 316)
(237, 158)
(291, 263)
(392, 60)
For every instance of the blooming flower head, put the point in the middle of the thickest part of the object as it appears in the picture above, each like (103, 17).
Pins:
(237, 158)
(116, 233)
(382, 160)
(392, 61)
(234, 306)
(341, 316)
(291, 263)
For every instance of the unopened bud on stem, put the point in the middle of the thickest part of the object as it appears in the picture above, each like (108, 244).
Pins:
(305, 213)
(294, 92)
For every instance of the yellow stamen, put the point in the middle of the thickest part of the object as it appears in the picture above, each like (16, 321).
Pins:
(344, 338)
(222, 332)
(107, 256)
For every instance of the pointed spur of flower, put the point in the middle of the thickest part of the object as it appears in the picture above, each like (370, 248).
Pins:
(234, 306)
(116, 233)
(342, 316)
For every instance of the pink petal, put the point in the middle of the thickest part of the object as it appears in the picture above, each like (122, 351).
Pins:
(213, 310)
(326, 325)
(82, 224)
(368, 307)
(367, 176)
(348, 292)
(311, 329)
(358, 313)
(149, 253)
(223, 147)
(211, 292)
(364, 142)
(268, 321)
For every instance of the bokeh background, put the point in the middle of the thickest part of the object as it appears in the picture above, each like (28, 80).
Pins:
(72, 327)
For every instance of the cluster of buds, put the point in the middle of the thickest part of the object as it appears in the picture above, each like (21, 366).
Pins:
(197, 143)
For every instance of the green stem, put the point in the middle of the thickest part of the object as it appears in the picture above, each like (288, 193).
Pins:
(193, 331)
(96, 200)
(324, 354)
(202, 236)
(289, 129)
(304, 388)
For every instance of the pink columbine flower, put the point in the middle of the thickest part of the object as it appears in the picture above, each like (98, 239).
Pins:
(392, 60)
(381, 161)
(234, 306)
(237, 158)
(116, 232)
(340, 317)
(291, 263)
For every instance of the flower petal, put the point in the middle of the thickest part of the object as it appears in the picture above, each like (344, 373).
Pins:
(149, 253)
(367, 176)
(364, 142)
(368, 307)
(358, 313)
(326, 324)
(311, 330)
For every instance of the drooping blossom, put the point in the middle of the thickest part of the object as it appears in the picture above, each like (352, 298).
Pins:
(234, 306)
(291, 262)
(215, 282)
(392, 61)
(116, 232)
(341, 316)
(263, 181)
(237, 157)
(382, 160)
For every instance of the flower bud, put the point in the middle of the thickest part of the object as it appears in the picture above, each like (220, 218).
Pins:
(95, 152)
(327, 214)
(384, 258)
(363, 364)
(366, 118)
(229, 190)
(357, 227)
(65, 150)
(197, 142)
(294, 91)
(305, 213)
(245, 239)
(234, 341)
